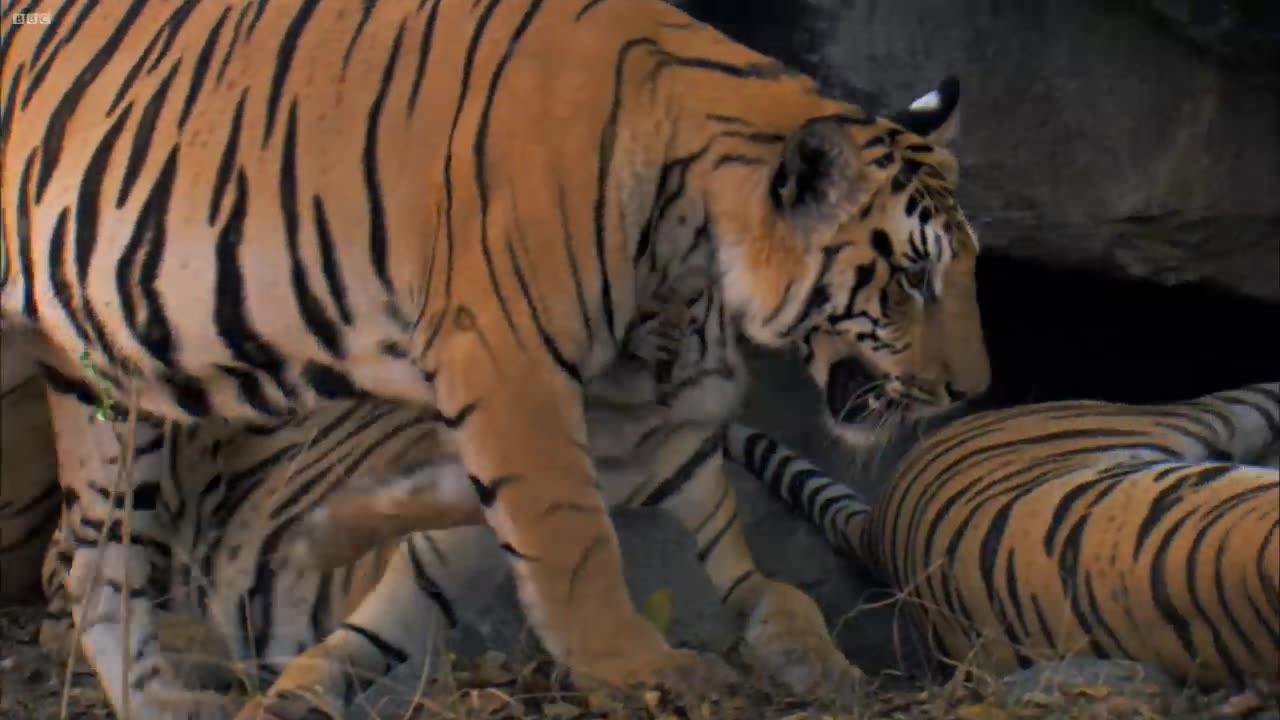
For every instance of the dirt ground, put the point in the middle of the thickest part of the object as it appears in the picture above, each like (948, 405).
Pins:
(32, 688)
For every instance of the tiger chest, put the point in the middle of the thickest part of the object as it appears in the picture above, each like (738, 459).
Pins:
(665, 383)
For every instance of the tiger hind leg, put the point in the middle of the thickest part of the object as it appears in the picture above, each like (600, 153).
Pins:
(107, 581)
(373, 510)
(399, 623)
(785, 632)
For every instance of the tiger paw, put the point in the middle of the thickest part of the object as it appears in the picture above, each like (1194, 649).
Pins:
(55, 636)
(686, 674)
(788, 643)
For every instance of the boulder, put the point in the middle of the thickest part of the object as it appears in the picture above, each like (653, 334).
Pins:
(1093, 135)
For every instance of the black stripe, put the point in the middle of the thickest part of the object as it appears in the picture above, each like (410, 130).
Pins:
(426, 584)
(233, 326)
(709, 448)
(392, 654)
(548, 341)
(705, 551)
(468, 64)
(230, 149)
(570, 253)
(284, 60)
(321, 326)
(737, 583)
(235, 39)
(604, 161)
(260, 7)
(201, 69)
(329, 261)
(42, 71)
(86, 221)
(135, 71)
(328, 382)
(738, 159)
(62, 384)
(152, 329)
(22, 228)
(591, 4)
(172, 26)
(377, 213)
(10, 98)
(50, 31)
(250, 390)
(819, 295)
(56, 129)
(143, 136)
(10, 37)
(1159, 585)
(424, 53)
(482, 183)
(366, 9)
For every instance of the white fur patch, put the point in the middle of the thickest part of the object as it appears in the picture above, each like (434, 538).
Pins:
(927, 102)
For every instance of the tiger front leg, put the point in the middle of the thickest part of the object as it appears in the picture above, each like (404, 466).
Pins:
(117, 531)
(521, 436)
(785, 633)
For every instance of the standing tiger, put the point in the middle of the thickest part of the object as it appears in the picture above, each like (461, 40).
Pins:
(265, 531)
(1075, 528)
(244, 210)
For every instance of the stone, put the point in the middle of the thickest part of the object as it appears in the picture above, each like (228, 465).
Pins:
(1091, 134)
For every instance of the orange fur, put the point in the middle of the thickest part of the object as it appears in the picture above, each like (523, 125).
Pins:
(243, 210)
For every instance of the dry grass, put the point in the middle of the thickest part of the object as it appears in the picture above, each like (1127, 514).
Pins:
(491, 688)
(33, 685)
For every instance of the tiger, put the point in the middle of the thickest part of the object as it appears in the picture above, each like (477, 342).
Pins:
(241, 211)
(1076, 527)
(28, 485)
(266, 530)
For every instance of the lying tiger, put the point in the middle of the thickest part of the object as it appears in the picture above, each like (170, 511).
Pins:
(1075, 528)
(246, 211)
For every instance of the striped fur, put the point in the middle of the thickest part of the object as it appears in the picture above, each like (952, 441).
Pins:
(265, 533)
(28, 481)
(1075, 528)
(242, 210)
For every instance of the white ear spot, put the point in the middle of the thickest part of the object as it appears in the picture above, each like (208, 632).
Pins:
(930, 101)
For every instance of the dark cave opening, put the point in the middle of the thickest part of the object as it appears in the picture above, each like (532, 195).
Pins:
(1057, 333)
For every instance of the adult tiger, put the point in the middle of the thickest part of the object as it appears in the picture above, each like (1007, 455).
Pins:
(182, 217)
(28, 483)
(246, 512)
(1075, 528)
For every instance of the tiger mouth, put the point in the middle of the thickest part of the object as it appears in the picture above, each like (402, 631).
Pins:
(848, 393)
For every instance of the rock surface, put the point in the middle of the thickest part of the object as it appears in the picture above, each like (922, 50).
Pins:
(1092, 134)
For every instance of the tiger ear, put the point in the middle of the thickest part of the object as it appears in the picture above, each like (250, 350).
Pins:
(819, 174)
(934, 115)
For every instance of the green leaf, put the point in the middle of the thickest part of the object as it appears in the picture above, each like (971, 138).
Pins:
(657, 608)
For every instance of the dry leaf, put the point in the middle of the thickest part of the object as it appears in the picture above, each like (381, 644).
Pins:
(1089, 691)
(562, 710)
(982, 711)
(1239, 705)
(1041, 699)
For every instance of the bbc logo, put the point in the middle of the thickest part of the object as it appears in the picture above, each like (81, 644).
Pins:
(31, 18)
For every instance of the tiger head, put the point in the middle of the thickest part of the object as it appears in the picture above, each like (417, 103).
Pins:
(854, 250)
